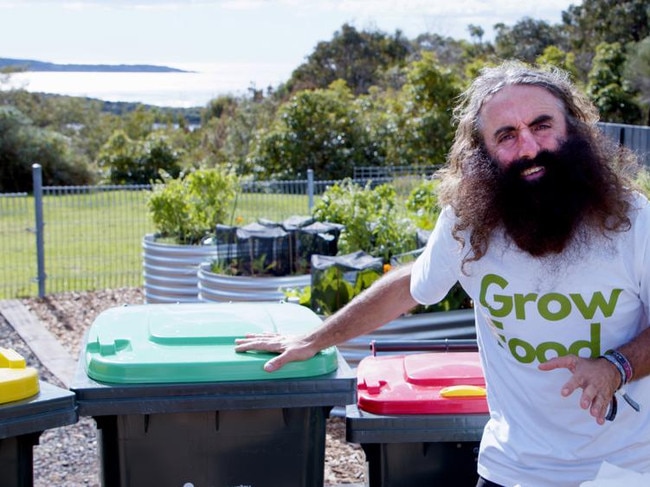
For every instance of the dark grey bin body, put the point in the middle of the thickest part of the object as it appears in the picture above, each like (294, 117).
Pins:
(417, 450)
(249, 433)
(21, 425)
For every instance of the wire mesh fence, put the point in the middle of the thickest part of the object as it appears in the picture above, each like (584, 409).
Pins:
(92, 236)
(91, 239)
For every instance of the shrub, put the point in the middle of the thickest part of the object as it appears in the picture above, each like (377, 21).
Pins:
(422, 204)
(188, 208)
(372, 219)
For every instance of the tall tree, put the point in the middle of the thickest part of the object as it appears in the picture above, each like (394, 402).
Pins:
(448, 51)
(554, 56)
(595, 21)
(637, 73)
(608, 90)
(420, 131)
(315, 129)
(357, 57)
(22, 144)
(526, 39)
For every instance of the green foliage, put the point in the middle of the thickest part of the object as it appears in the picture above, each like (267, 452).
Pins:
(422, 204)
(188, 208)
(331, 289)
(220, 107)
(554, 56)
(592, 22)
(128, 161)
(316, 130)
(606, 86)
(226, 139)
(526, 40)
(373, 222)
(358, 58)
(423, 129)
(636, 72)
(643, 182)
(22, 144)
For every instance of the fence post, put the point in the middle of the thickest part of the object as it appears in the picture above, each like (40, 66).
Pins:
(310, 189)
(37, 178)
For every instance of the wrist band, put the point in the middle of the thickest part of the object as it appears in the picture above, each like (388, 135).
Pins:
(612, 410)
(621, 370)
(626, 371)
(624, 362)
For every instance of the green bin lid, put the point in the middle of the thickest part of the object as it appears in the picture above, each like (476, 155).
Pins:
(194, 342)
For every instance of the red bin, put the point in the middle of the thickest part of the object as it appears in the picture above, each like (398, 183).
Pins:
(419, 416)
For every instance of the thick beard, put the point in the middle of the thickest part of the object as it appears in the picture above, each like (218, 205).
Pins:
(543, 216)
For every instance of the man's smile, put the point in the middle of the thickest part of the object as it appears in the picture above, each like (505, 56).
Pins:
(533, 172)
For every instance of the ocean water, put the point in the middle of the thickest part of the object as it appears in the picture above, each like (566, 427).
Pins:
(191, 89)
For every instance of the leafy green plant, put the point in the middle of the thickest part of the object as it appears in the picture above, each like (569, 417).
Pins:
(422, 204)
(128, 161)
(187, 208)
(372, 219)
(300, 295)
(331, 289)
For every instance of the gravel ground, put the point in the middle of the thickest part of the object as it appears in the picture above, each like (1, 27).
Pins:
(68, 456)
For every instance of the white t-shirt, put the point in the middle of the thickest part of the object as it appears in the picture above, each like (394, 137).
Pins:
(593, 299)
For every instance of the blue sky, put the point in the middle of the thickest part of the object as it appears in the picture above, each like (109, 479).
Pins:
(175, 32)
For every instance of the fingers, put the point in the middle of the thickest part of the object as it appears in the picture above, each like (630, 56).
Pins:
(265, 342)
(275, 363)
(565, 362)
(593, 398)
(599, 406)
(588, 375)
(289, 349)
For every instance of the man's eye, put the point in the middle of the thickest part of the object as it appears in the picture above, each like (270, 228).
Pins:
(505, 138)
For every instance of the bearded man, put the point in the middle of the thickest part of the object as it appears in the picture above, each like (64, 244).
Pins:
(544, 231)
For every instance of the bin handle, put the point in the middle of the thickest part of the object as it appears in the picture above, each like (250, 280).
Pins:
(440, 345)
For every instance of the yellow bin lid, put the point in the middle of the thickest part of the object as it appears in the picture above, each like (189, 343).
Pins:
(17, 381)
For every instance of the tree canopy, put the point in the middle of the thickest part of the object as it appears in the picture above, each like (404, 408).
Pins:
(365, 97)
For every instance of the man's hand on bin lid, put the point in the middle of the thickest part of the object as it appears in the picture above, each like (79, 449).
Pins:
(289, 348)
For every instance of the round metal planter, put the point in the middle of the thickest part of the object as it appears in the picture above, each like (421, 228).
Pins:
(170, 270)
(223, 288)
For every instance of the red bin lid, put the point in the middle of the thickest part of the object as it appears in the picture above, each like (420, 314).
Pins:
(422, 383)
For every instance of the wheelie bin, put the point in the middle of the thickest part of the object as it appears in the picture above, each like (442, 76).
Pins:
(419, 415)
(175, 405)
(28, 406)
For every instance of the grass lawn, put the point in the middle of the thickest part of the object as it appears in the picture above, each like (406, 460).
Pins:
(94, 240)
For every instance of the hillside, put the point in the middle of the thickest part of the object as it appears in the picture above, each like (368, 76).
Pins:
(32, 65)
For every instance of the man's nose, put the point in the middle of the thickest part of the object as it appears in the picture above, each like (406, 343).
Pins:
(527, 145)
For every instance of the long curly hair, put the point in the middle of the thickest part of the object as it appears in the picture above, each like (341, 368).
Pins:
(465, 187)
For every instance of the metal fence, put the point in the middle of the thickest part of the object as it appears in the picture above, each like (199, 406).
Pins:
(87, 237)
(80, 238)
(91, 237)
(635, 137)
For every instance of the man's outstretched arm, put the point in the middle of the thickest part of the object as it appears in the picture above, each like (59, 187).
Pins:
(387, 299)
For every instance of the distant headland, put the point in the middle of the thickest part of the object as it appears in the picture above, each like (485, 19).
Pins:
(32, 65)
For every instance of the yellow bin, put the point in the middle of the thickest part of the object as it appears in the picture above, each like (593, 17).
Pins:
(17, 381)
